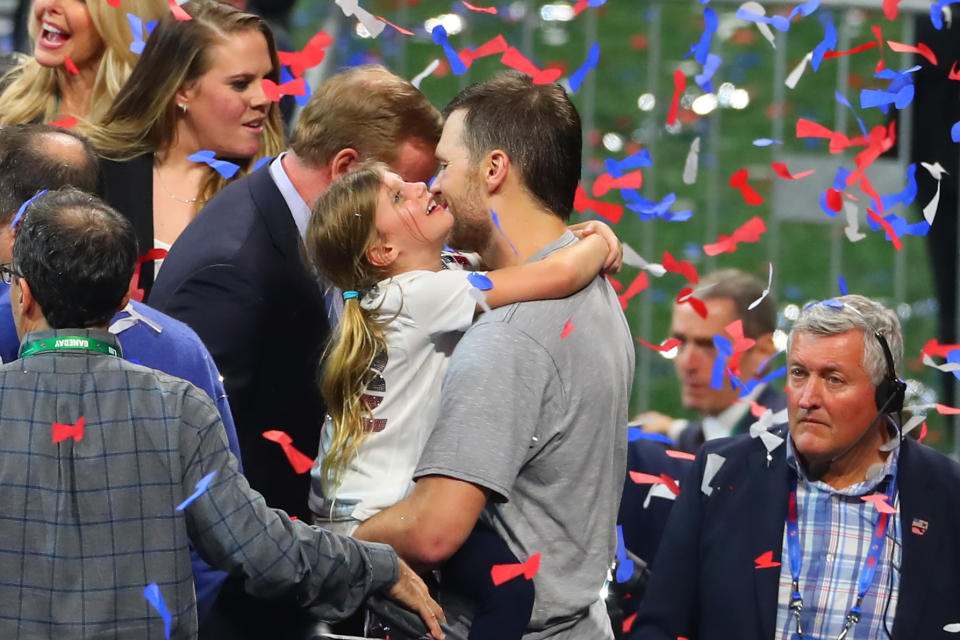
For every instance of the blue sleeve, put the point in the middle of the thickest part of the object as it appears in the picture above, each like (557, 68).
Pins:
(9, 342)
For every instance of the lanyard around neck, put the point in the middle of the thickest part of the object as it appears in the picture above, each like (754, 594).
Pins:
(70, 343)
(866, 573)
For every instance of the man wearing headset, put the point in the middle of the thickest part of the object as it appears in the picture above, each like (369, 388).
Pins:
(837, 528)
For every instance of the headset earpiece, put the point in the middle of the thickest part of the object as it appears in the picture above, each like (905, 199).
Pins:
(891, 390)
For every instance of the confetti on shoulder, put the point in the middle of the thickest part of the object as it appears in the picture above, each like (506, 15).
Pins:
(202, 486)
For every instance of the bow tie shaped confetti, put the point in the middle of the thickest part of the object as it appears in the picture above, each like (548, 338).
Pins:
(739, 181)
(750, 231)
(274, 91)
(686, 297)
(310, 56)
(63, 431)
(352, 8)
(501, 573)
(223, 167)
(300, 462)
(611, 212)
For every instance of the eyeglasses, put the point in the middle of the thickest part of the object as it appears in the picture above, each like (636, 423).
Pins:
(7, 273)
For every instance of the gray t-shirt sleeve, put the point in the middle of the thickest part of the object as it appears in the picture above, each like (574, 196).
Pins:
(492, 396)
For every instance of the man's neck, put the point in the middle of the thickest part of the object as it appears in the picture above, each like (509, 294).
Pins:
(850, 467)
(525, 229)
(309, 181)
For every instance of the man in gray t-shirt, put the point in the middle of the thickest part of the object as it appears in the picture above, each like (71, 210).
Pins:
(531, 435)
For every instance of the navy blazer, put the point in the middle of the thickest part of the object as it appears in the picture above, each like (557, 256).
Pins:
(236, 276)
(706, 587)
(691, 438)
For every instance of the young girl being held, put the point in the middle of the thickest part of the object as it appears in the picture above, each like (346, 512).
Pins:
(379, 239)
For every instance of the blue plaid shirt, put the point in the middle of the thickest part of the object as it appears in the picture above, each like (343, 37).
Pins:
(86, 525)
(836, 528)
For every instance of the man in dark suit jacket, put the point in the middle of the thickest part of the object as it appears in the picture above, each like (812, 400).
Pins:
(727, 295)
(730, 571)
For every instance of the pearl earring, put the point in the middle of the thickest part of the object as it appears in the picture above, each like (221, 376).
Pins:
(182, 106)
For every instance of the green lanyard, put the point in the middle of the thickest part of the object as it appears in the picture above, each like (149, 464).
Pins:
(64, 343)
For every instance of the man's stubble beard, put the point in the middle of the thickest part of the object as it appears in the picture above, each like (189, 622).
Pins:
(472, 224)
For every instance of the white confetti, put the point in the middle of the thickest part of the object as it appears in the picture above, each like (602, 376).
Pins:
(756, 7)
(953, 627)
(947, 367)
(480, 297)
(766, 291)
(634, 259)
(417, 79)
(710, 469)
(853, 223)
(693, 162)
(659, 490)
(132, 319)
(937, 171)
(367, 19)
(794, 76)
(761, 428)
(911, 424)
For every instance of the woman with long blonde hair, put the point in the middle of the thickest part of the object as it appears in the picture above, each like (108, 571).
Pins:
(81, 58)
(379, 239)
(197, 87)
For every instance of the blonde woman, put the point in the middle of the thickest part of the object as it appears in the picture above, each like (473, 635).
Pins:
(91, 38)
(197, 87)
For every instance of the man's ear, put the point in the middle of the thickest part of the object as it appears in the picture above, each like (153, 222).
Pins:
(345, 160)
(380, 254)
(26, 299)
(496, 167)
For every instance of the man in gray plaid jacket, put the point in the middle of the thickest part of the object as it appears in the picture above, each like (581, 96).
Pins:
(108, 470)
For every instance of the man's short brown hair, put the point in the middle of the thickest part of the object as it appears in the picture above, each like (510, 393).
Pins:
(368, 109)
(743, 289)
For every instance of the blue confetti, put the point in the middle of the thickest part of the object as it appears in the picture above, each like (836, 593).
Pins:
(843, 284)
(593, 57)
(954, 358)
(261, 162)
(439, 35)
(496, 223)
(224, 168)
(724, 351)
(617, 168)
(750, 385)
(648, 210)
(701, 50)
(829, 43)
(23, 209)
(765, 142)
(155, 598)
(709, 69)
(637, 433)
(625, 566)
(955, 132)
(202, 486)
(480, 281)
(905, 197)
(842, 99)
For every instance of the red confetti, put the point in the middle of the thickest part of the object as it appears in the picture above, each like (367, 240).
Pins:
(757, 409)
(567, 328)
(645, 478)
(923, 432)
(310, 56)
(684, 268)
(934, 348)
(628, 622)
(153, 254)
(686, 295)
(880, 502)
(954, 73)
(888, 228)
(616, 284)
(834, 199)
(849, 52)
(890, 9)
(921, 49)
(490, 10)
(113, 3)
(501, 573)
(780, 168)
(679, 85)
(680, 455)
(491, 47)
(666, 346)
(878, 34)
(765, 561)
(580, 6)
(639, 283)
(70, 66)
(274, 91)
(516, 60)
(605, 182)
(178, 11)
(944, 410)
(405, 32)
(739, 181)
(750, 231)
(808, 129)
(63, 431)
(740, 345)
(611, 212)
(65, 123)
(299, 462)
(670, 483)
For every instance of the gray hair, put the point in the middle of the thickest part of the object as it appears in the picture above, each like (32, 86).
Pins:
(839, 315)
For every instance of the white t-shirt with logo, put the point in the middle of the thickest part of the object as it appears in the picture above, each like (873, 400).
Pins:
(432, 309)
